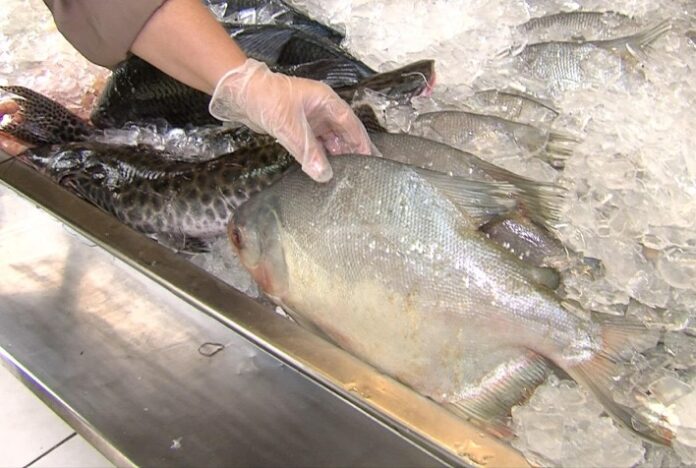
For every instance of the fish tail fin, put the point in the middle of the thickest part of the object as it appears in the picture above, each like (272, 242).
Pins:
(489, 403)
(601, 373)
(541, 202)
(649, 36)
(559, 148)
(638, 43)
(40, 120)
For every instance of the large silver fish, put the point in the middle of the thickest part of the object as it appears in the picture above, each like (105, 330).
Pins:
(385, 259)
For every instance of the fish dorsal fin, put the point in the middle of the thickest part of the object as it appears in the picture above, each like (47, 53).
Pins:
(334, 72)
(263, 42)
(541, 201)
(479, 200)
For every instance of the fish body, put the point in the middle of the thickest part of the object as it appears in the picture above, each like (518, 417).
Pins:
(559, 65)
(578, 26)
(270, 12)
(181, 203)
(480, 133)
(538, 200)
(512, 106)
(400, 277)
(139, 92)
(287, 45)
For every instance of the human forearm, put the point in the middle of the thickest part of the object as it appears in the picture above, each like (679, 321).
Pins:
(183, 39)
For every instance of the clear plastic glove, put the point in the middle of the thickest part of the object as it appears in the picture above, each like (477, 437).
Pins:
(305, 116)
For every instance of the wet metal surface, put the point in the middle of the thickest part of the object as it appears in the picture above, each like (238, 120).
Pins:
(157, 362)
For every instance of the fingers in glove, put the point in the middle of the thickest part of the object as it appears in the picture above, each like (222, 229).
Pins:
(298, 138)
(348, 129)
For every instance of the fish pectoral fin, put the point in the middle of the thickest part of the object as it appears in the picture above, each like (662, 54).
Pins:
(489, 402)
(183, 244)
(544, 276)
(479, 200)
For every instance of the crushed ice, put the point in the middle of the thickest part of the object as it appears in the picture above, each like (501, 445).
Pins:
(632, 178)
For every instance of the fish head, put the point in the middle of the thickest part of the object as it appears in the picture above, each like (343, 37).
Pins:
(255, 233)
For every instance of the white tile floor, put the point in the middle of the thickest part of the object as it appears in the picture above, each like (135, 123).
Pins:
(33, 435)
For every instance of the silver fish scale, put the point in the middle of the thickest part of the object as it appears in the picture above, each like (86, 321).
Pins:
(554, 63)
(385, 265)
(469, 131)
(511, 106)
(429, 154)
(579, 25)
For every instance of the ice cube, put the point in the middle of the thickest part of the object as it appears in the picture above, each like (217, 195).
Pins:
(562, 425)
(683, 349)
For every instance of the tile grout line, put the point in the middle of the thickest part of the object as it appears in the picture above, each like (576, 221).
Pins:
(50, 450)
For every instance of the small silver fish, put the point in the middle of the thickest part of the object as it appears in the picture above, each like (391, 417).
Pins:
(512, 106)
(580, 26)
(483, 134)
(560, 65)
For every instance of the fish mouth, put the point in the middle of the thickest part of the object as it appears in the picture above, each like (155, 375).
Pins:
(11, 118)
(429, 84)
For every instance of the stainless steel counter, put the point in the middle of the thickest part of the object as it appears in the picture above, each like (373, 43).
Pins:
(158, 363)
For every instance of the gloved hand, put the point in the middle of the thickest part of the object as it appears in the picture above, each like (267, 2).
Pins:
(304, 115)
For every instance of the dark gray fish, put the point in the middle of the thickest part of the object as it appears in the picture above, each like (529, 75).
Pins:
(578, 26)
(138, 92)
(41, 120)
(183, 204)
(270, 12)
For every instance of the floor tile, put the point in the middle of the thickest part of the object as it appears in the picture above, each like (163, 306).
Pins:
(28, 428)
(74, 453)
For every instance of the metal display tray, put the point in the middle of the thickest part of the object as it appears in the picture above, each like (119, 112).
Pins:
(157, 362)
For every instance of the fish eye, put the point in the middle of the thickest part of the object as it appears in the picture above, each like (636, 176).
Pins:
(236, 237)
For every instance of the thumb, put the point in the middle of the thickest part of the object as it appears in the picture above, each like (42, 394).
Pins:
(300, 141)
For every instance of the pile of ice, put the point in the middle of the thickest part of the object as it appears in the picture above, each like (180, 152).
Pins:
(183, 144)
(34, 54)
(631, 201)
(631, 181)
(224, 263)
(566, 410)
